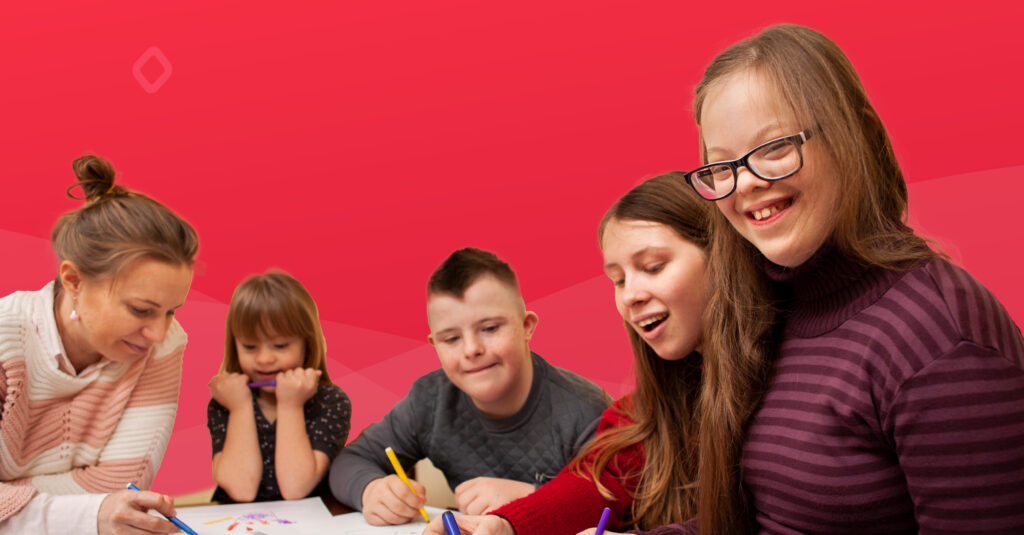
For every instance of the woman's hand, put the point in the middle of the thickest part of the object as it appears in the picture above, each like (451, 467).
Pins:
(125, 512)
(296, 386)
(231, 390)
(473, 525)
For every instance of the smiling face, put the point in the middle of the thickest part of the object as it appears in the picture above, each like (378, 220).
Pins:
(263, 357)
(123, 318)
(660, 287)
(482, 341)
(787, 220)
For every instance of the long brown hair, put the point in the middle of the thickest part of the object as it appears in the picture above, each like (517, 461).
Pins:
(275, 304)
(117, 226)
(815, 80)
(664, 405)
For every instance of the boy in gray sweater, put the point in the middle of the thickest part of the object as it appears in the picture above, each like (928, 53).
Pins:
(496, 419)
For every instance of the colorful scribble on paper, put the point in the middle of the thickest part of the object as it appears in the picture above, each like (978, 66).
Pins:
(250, 522)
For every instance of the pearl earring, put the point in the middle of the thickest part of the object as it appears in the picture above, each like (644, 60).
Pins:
(74, 310)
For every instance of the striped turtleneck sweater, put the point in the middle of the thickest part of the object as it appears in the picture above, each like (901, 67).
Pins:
(896, 405)
(62, 433)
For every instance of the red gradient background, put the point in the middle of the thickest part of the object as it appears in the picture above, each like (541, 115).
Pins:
(355, 144)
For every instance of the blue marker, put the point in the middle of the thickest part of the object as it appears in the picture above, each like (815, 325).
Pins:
(604, 521)
(174, 520)
(448, 519)
(272, 382)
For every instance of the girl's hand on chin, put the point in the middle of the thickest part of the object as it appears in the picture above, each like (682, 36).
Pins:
(296, 386)
(231, 390)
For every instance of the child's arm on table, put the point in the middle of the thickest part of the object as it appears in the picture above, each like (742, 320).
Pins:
(238, 467)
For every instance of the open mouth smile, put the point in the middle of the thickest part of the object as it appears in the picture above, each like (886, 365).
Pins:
(651, 323)
(762, 214)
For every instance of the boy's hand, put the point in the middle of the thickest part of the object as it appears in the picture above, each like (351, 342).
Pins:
(296, 386)
(125, 511)
(389, 501)
(231, 390)
(473, 525)
(482, 494)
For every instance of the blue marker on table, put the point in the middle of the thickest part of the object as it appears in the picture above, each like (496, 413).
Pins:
(448, 519)
(174, 520)
(604, 521)
(272, 382)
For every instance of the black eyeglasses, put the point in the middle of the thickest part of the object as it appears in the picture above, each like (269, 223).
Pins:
(772, 160)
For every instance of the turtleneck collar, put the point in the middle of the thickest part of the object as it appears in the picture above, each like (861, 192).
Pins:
(826, 290)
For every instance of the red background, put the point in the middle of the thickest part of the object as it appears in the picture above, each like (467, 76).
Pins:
(355, 144)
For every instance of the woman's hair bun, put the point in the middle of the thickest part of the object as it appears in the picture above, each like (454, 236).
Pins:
(95, 176)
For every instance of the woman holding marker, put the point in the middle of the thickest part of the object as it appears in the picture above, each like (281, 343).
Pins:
(90, 367)
(642, 463)
(857, 381)
(275, 417)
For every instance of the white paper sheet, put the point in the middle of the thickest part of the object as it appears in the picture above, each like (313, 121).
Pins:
(308, 516)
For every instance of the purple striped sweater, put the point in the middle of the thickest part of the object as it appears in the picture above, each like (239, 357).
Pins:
(896, 405)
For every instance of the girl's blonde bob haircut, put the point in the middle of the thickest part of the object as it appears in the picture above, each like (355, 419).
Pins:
(275, 304)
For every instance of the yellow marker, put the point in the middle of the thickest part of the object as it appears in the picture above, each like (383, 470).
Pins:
(405, 479)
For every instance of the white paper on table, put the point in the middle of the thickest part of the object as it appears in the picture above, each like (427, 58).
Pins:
(308, 516)
(354, 524)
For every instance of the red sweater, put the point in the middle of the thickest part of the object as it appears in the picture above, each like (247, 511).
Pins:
(571, 503)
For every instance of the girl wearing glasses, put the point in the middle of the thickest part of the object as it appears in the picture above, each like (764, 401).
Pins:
(856, 381)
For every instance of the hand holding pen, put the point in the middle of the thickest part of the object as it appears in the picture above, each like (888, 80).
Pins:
(126, 511)
(393, 499)
(178, 524)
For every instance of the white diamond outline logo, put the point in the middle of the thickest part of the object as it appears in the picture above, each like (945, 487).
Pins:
(152, 52)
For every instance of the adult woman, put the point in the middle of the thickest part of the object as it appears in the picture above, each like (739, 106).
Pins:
(861, 381)
(644, 454)
(90, 367)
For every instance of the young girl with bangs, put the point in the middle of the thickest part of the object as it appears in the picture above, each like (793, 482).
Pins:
(276, 419)
(642, 462)
(856, 381)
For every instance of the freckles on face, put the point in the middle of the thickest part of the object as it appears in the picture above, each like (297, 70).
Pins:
(787, 220)
(660, 284)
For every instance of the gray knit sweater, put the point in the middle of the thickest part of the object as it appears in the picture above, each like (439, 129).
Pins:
(438, 421)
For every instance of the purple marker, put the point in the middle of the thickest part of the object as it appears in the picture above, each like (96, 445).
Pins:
(272, 382)
(604, 521)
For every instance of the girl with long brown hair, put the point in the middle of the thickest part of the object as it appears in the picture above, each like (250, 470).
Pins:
(855, 381)
(642, 462)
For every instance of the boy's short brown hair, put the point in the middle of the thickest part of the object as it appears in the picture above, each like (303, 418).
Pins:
(463, 267)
